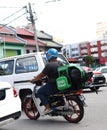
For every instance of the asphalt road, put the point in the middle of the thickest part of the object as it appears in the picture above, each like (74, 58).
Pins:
(95, 117)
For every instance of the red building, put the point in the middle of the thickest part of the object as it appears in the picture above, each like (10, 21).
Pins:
(97, 49)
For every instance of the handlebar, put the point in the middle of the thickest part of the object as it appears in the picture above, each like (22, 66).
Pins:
(39, 82)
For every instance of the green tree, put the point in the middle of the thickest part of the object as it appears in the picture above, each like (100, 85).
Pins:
(89, 60)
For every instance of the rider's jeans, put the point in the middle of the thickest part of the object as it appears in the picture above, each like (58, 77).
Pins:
(45, 91)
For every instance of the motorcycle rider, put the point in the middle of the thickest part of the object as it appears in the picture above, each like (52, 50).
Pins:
(50, 70)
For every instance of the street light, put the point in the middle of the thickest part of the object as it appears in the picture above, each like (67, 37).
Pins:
(52, 1)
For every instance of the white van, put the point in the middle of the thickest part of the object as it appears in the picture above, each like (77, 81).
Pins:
(18, 70)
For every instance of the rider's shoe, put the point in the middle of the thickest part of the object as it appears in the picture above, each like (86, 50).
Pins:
(47, 111)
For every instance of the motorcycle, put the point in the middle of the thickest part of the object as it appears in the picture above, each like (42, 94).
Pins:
(66, 103)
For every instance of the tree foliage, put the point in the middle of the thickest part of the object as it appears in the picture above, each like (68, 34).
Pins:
(89, 60)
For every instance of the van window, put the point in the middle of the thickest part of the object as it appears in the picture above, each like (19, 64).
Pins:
(26, 64)
(6, 67)
(60, 58)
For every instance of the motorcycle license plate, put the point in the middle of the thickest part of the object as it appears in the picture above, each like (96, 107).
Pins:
(82, 98)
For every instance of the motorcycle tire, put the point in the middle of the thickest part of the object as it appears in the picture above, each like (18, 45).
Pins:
(30, 109)
(78, 111)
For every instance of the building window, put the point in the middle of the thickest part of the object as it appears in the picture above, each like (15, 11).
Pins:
(18, 52)
(34, 50)
(27, 51)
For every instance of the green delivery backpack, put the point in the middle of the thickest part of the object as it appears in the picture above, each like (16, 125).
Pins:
(67, 77)
(63, 81)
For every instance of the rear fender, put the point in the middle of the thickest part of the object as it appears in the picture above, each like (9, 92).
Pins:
(78, 98)
(28, 96)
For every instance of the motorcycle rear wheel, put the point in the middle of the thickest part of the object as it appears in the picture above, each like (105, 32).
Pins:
(78, 111)
(30, 109)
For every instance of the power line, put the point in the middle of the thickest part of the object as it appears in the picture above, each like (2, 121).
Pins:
(13, 14)
(13, 20)
(9, 7)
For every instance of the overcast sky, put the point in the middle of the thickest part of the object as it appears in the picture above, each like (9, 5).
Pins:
(70, 20)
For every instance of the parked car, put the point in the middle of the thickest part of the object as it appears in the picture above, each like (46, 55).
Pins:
(96, 81)
(10, 104)
(103, 70)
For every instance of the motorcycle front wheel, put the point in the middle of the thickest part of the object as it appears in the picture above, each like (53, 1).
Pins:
(30, 109)
(78, 111)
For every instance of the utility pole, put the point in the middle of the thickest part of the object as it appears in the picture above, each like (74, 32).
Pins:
(31, 19)
(33, 26)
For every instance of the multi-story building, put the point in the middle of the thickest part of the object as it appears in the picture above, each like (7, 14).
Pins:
(97, 49)
(75, 50)
(101, 30)
(84, 49)
(71, 50)
(67, 50)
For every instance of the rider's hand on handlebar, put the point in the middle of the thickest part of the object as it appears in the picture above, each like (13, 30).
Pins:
(38, 83)
(33, 81)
